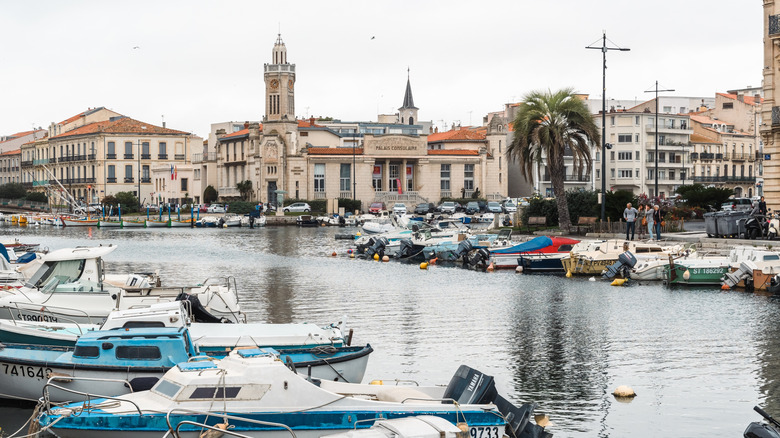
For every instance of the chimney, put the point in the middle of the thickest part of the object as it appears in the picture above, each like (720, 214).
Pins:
(246, 125)
(163, 123)
(311, 121)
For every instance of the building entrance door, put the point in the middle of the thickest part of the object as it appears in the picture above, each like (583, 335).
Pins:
(271, 193)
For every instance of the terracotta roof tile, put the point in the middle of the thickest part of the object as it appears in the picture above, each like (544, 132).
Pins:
(236, 134)
(121, 125)
(707, 120)
(750, 100)
(16, 152)
(307, 123)
(72, 119)
(334, 151)
(452, 152)
(462, 134)
(697, 138)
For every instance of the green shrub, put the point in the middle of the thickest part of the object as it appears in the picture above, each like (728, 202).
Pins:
(538, 206)
(317, 205)
(241, 207)
(349, 205)
(128, 200)
(36, 197)
(12, 191)
(210, 195)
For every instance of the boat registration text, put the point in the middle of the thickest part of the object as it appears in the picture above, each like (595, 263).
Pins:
(699, 271)
(485, 432)
(26, 371)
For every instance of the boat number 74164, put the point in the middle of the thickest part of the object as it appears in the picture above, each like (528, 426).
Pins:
(26, 371)
(484, 432)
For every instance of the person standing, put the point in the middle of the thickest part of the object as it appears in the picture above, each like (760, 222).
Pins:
(630, 215)
(649, 213)
(642, 222)
(762, 207)
(657, 218)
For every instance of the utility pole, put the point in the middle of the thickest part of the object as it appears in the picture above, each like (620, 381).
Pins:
(603, 47)
(656, 132)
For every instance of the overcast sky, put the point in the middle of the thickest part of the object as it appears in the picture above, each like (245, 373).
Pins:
(201, 62)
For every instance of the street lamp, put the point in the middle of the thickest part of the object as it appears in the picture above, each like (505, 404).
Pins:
(604, 50)
(354, 182)
(656, 132)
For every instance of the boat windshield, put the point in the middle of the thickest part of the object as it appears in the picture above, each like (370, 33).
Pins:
(52, 274)
(166, 388)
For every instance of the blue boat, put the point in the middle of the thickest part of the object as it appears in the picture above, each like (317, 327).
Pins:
(542, 247)
(253, 393)
(117, 361)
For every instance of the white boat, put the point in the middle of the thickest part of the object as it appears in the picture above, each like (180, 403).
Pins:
(72, 222)
(184, 223)
(250, 388)
(71, 286)
(133, 224)
(232, 221)
(151, 223)
(108, 223)
(260, 221)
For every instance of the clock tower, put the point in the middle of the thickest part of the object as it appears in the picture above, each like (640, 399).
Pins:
(279, 86)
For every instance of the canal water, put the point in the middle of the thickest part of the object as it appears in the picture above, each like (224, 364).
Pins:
(699, 359)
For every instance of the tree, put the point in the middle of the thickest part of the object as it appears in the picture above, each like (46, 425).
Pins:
(245, 188)
(697, 195)
(550, 126)
(12, 191)
(128, 200)
(210, 195)
(37, 197)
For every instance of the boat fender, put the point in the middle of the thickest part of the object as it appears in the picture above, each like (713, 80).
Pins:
(423, 265)
(618, 282)
(519, 269)
(490, 267)
(289, 362)
(687, 275)
(543, 420)
(385, 259)
(351, 255)
(568, 274)
(334, 254)
(592, 279)
(624, 391)
(376, 257)
(214, 433)
(376, 382)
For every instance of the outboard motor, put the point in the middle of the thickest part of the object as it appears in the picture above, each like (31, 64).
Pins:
(507, 221)
(199, 313)
(745, 272)
(342, 221)
(464, 248)
(623, 266)
(378, 247)
(479, 257)
(362, 247)
(469, 386)
(774, 284)
(762, 430)
(406, 248)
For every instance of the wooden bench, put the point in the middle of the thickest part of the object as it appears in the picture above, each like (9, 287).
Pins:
(536, 220)
(587, 222)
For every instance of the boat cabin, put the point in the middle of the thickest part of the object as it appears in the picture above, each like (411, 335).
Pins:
(134, 347)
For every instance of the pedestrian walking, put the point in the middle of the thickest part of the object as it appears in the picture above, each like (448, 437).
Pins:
(762, 207)
(657, 219)
(630, 215)
(642, 222)
(649, 213)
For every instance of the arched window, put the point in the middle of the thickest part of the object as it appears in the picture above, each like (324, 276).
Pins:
(411, 120)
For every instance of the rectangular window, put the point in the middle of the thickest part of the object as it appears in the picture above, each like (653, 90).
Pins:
(468, 176)
(728, 105)
(598, 173)
(138, 353)
(636, 138)
(128, 150)
(163, 148)
(111, 153)
(662, 157)
(129, 173)
(184, 185)
(667, 109)
(445, 177)
(145, 173)
(612, 173)
(145, 151)
(636, 121)
(625, 156)
(625, 173)
(394, 174)
(612, 155)
(636, 155)
(376, 178)
(111, 173)
(345, 177)
(671, 174)
(624, 138)
(319, 177)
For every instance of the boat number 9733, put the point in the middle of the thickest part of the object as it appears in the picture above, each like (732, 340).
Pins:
(26, 371)
(484, 432)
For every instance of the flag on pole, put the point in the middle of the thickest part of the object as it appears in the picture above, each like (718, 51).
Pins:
(171, 172)
(175, 172)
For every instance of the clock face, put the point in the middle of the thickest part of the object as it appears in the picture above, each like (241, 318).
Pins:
(274, 84)
(290, 84)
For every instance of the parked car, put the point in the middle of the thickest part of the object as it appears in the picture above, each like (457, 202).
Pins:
(448, 207)
(482, 206)
(424, 208)
(737, 204)
(95, 208)
(216, 208)
(459, 207)
(399, 208)
(510, 207)
(376, 207)
(494, 207)
(472, 207)
(297, 207)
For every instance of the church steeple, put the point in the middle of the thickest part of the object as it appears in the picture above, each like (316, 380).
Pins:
(279, 78)
(408, 112)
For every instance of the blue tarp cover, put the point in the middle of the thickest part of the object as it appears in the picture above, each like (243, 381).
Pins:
(534, 244)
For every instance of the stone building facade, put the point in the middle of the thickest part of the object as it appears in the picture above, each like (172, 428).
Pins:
(770, 109)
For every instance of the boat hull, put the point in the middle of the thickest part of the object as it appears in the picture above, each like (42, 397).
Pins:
(532, 264)
(696, 276)
(181, 224)
(110, 224)
(156, 224)
(133, 224)
(582, 266)
(79, 222)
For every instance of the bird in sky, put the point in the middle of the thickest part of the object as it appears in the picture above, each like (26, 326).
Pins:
(373, 37)
(136, 47)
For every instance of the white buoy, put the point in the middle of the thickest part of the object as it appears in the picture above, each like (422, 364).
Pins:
(624, 391)
(519, 269)
(592, 279)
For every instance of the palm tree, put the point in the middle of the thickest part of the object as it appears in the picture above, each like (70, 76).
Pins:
(245, 189)
(550, 126)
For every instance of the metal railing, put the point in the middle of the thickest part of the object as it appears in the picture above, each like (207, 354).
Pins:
(319, 195)
(174, 431)
(182, 156)
(724, 179)
(162, 156)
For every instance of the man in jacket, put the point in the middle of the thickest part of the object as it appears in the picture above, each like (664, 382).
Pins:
(630, 215)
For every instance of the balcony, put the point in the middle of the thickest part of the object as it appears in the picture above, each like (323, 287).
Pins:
(146, 179)
(27, 163)
(110, 156)
(569, 178)
(146, 156)
(669, 129)
(111, 179)
(759, 156)
(162, 156)
(129, 179)
(319, 195)
(695, 156)
(345, 194)
(719, 157)
(738, 156)
(40, 183)
(38, 162)
(179, 156)
(724, 179)
(200, 158)
(91, 157)
(229, 192)
(707, 156)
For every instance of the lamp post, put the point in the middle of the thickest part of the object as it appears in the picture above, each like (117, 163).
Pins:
(139, 173)
(656, 132)
(354, 182)
(604, 50)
